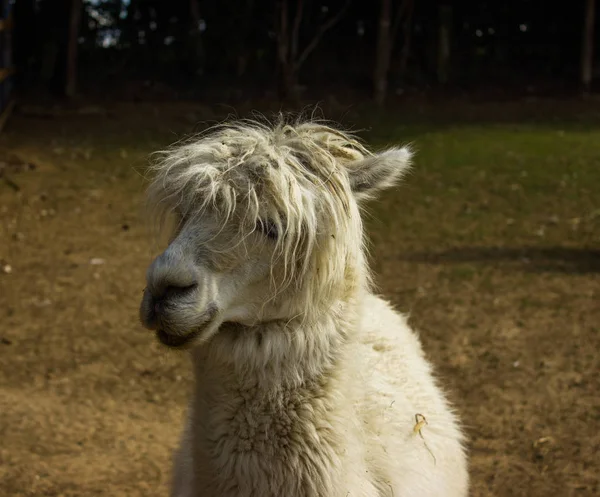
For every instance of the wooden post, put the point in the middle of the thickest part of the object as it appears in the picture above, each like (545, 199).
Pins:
(6, 64)
(587, 47)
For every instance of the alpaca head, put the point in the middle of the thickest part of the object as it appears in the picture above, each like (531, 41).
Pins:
(268, 226)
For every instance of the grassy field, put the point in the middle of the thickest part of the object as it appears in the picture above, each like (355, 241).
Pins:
(492, 245)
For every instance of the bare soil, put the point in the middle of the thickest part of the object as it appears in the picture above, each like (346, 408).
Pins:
(499, 270)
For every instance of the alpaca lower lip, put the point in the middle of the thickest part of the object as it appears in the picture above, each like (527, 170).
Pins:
(175, 341)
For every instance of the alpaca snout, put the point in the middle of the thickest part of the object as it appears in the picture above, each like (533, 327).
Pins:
(156, 308)
(177, 314)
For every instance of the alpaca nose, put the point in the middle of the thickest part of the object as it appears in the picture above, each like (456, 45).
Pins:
(169, 277)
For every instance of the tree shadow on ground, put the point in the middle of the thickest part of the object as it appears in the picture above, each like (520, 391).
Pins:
(531, 259)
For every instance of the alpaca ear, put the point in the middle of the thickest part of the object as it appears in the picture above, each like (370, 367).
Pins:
(372, 174)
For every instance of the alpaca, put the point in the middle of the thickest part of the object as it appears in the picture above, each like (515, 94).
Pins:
(306, 383)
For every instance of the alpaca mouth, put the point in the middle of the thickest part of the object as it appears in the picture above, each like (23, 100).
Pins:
(178, 340)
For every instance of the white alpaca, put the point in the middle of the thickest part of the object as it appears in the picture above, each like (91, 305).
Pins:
(306, 383)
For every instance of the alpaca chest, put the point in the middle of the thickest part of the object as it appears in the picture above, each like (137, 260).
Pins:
(286, 444)
(274, 425)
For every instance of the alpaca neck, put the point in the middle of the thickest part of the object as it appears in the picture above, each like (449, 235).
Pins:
(281, 353)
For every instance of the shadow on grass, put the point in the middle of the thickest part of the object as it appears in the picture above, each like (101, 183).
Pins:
(534, 259)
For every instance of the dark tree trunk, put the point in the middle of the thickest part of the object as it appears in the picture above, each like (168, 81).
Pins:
(288, 83)
(72, 42)
(407, 31)
(52, 28)
(444, 43)
(194, 44)
(286, 42)
(384, 51)
(587, 48)
(26, 39)
(195, 12)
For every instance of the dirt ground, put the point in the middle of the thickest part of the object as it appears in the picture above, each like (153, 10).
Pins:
(492, 245)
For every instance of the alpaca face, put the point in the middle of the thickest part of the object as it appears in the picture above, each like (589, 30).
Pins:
(208, 274)
(269, 227)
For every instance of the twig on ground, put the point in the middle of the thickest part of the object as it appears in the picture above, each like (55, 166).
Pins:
(420, 422)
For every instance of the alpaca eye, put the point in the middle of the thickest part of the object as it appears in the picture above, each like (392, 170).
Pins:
(268, 228)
